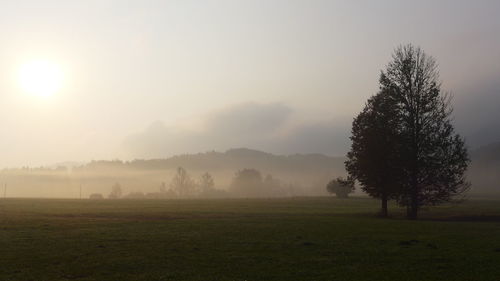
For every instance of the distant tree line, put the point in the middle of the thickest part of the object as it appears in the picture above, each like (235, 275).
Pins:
(246, 183)
(251, 183)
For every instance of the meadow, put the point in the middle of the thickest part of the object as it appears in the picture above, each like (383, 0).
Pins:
(246, 239)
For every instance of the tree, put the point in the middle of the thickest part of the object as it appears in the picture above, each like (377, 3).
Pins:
(373, 158)
(163, 187)
(341, 187)
(273, 187)
(96, 196)
(207, 187)
(206, 183)
(434, 157)
(247, 183)
(116, 191)
(182, 184)
(429, 158)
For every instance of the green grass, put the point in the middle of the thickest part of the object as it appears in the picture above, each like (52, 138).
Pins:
(258, 239)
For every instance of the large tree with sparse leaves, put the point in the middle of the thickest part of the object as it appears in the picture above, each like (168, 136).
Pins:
(426, 158)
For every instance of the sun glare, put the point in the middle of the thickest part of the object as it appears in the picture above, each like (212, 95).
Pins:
(40, 78)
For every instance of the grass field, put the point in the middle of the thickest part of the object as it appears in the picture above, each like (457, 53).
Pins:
(254, 239)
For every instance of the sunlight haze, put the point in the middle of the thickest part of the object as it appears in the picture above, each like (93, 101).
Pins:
(83, 80)
(40, 78)
(297, 140)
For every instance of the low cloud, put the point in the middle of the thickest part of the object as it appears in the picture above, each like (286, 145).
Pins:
(268, 127)
(477, 115)
(275, 128)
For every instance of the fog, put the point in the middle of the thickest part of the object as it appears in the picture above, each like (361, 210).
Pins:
(282, 176)
(268, 127)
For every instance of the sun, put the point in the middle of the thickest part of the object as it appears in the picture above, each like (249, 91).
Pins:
(41, 78)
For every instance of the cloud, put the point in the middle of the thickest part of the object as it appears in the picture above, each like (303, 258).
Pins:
(276, 128)
(269, 127)
(329, 137)
(247, 121)
(477, 115)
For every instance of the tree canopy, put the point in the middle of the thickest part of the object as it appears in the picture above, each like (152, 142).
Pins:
(373, 159)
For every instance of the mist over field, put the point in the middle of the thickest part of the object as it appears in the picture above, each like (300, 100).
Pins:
(195, 140)
(295, 175)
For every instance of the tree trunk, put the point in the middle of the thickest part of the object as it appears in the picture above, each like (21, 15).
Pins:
(383, 211)
(413, 213)
(413, 208)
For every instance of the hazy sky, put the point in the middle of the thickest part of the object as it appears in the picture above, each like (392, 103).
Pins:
(155, 78)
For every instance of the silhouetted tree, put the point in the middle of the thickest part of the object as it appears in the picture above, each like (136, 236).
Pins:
(116, 191)
(431, 158)
(434, 157)
(341, 187)
(374, 156)
(182, 184)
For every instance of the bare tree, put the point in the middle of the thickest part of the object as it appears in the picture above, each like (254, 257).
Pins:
(182, 184)
(116, 191)
(206, 183)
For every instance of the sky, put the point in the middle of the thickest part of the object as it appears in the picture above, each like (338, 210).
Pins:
(150, 79)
